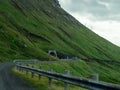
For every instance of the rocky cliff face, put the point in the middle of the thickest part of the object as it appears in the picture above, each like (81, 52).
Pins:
(29, 28)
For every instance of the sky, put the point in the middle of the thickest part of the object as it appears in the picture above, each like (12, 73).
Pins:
(101, 16)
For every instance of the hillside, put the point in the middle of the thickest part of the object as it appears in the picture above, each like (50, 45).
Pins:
(29, 28)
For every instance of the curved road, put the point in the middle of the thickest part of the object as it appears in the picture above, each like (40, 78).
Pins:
(9, 81)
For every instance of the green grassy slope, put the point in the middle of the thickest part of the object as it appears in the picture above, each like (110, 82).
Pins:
(29, 28)
(107, 72)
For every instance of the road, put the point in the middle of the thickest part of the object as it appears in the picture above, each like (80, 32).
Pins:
(35, 61)
(8, 81)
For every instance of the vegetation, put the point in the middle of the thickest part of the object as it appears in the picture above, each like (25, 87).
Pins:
(29, 28)
(107, 72)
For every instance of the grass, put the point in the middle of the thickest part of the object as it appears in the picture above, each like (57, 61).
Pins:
(108, 72)
(28, 29)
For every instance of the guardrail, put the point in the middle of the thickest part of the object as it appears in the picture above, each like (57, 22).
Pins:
(35, 61)
(67, 79)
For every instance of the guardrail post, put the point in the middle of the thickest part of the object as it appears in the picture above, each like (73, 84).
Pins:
(95, 77)
(67, 72)
(50, 82)
(27, 70)
(16, 67)
(22, 69)
(50, 79)
(32, 73)
(39, 76)
(19, 68)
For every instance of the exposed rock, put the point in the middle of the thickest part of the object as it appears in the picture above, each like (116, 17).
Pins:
(56, 3)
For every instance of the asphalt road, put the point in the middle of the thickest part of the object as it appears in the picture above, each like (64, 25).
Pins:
(9, 81)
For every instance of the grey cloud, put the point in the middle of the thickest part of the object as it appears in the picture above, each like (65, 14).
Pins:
(99, 9)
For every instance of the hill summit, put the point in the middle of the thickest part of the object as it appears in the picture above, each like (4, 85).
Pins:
(29, 28)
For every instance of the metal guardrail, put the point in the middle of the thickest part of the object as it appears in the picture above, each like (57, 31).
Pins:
(85, 83)
(35, 61)
(32, 61)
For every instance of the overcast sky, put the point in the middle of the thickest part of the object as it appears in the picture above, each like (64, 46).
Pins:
(102, 16)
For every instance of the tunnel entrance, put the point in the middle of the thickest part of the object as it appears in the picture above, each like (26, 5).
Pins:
(52, 53)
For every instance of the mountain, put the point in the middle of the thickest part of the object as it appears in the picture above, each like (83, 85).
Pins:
(29, 28)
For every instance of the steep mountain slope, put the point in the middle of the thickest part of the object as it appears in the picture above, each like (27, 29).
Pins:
(29, 28)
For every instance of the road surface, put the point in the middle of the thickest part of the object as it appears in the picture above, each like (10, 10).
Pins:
(9, 81)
